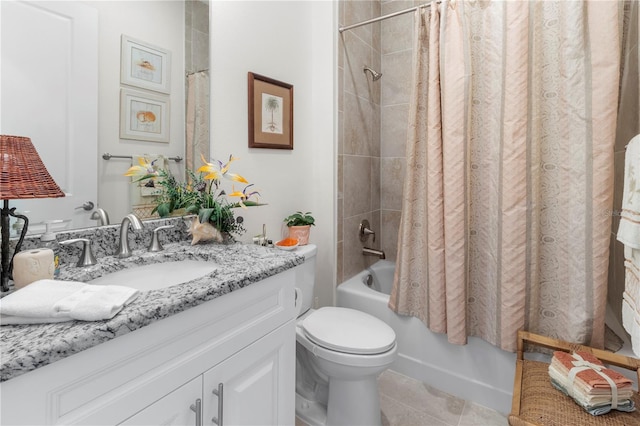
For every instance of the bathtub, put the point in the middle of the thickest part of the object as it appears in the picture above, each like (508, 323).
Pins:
(478, 371)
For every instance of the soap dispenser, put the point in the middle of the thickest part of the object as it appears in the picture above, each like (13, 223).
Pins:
(49, 241)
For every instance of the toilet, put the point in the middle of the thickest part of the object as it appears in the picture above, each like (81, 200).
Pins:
(339, 354)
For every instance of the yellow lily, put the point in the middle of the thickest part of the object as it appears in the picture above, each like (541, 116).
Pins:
(243, 195)
(209, 168)
(144, 170)
(215, 171)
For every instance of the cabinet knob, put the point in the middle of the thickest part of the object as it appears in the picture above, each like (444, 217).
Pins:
(219, 393)
(197, 408)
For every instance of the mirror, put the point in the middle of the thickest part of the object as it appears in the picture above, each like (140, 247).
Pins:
(178, 26)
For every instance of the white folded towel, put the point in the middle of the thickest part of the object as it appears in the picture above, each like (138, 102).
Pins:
(47, 301)
(629, 229)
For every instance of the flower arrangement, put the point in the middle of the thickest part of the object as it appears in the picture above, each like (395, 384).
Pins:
(202, 194)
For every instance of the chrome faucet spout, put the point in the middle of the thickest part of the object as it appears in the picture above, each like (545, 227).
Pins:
(366, 251)
(101, 216)
(123, 246)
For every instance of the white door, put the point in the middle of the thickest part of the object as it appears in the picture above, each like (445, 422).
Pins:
(257, 384)
(49, 93)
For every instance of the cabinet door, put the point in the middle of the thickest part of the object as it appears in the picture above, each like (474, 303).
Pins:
(256, 386)
(174, 409)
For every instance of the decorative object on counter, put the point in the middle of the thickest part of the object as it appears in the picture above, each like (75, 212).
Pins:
(32, 265)
(47, 301)
(202, 195)
(22, 175)
(300, 226)
(287, 244)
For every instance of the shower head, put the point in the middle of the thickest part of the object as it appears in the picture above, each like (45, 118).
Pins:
(375, 75)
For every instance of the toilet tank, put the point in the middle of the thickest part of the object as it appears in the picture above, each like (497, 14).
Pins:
(305, 276)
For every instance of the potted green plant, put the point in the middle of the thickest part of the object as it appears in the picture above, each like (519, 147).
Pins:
(299, 225)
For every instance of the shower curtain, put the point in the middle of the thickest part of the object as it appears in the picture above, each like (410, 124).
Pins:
(505, 222)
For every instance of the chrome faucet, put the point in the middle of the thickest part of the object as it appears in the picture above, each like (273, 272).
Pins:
(123, 246)
(366, 251)
(101, 216)
(86, 258)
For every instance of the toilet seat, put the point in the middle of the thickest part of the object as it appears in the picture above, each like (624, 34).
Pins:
(348, 331)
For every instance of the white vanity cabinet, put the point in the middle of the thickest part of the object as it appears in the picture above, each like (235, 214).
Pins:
(245, 389)
(244, 340)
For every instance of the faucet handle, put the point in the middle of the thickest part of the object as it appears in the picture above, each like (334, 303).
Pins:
(365, 231)
(86, 258)
(155, 242)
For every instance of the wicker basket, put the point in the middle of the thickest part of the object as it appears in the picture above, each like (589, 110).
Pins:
(537, 402)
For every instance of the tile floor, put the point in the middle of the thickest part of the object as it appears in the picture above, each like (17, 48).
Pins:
(408, 402)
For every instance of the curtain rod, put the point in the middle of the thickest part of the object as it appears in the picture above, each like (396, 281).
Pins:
(381, 18)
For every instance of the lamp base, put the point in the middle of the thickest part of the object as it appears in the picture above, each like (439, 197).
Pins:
(7, 261)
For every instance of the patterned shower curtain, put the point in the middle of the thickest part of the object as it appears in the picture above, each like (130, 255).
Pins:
(505, 222)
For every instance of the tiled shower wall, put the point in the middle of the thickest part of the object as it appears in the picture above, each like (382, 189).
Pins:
(359, 135)
(372, 123)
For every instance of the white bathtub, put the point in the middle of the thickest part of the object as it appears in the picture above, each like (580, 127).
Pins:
(477, 371)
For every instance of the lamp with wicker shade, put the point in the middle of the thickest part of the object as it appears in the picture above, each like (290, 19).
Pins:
(22, 175)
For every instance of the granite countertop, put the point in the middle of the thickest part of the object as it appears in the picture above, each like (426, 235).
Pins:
(27, 347)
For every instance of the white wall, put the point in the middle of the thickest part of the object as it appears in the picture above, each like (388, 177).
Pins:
(160, 23)
(293, 42)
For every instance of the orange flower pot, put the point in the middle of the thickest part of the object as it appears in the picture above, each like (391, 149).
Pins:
(301, 233)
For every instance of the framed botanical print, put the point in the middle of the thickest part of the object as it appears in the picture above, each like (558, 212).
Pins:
(270, 113)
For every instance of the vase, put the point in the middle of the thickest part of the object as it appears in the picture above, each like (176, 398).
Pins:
(300, 233)
(179, 212)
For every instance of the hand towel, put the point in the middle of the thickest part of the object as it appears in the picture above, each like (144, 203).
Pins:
(95, 303)
(629, 229)
(47, 301)
(597, 410)
(585, 379)
(591, 377)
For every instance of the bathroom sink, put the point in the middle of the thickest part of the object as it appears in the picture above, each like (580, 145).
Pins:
(157, 275)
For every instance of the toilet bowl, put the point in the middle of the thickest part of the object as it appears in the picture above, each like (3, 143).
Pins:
(339, 354)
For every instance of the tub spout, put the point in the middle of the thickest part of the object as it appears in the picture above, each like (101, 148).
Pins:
(366, 251)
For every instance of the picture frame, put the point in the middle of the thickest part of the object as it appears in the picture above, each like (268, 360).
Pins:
(144, 116)
(270, 113)
(144, 65)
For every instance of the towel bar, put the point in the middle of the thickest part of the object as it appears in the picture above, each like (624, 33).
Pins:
(108, 156)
